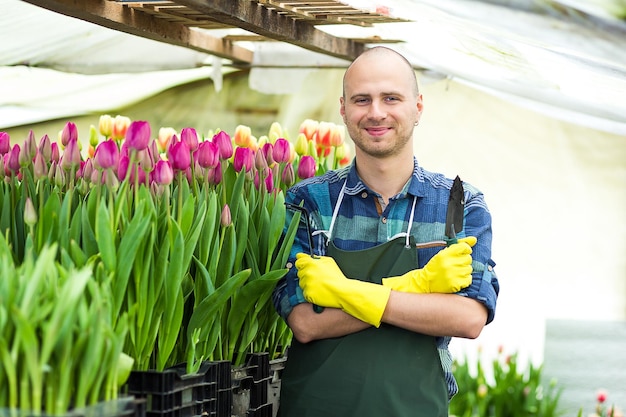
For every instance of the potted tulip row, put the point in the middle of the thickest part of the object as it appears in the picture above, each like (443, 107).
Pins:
(181, 234)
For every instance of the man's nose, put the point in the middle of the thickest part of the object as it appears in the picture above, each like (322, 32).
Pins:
(377, 110)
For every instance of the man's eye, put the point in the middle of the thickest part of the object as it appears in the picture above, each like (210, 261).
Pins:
(391, 98)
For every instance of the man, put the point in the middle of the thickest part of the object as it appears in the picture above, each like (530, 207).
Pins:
(361, 348)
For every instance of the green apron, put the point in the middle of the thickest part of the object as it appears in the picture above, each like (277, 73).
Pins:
(377, 372)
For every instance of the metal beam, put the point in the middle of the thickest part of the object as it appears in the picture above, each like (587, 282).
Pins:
(116, 16)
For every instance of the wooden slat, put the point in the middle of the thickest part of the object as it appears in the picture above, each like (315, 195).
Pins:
(177, 22)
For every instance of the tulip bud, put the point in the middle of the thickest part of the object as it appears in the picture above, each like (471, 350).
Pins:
(138, 135)
(13, 162)
(5, 143)
(243, 159)
(107, 154)
(260, 162)
(301, 145)
(30, 147)
(207, 154)
(224, 144)
(281, 151)
(243, 137)
(69, 133)
(87, 169)
(225, 218)
(179, 156)
(105, 125)
(309, 128)
(163, 173)
(288, 176)
(307, 167)
(55, 154)
(336, 135)
(190, 137)
(93, 136)
(276, 131)
(165, 137)
(40, 169)
(30, 214)
(120, 127)
(71, 156)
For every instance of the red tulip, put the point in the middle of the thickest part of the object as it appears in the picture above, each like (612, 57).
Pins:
(138, 135)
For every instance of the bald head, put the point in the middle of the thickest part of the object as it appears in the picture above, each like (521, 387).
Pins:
(393, 59)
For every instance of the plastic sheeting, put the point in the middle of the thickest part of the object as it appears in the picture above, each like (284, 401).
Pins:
(566, 59)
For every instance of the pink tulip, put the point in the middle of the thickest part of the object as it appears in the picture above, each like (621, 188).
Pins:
(138, 135)
(40, 168)
(179, 157)
(190, 137)
(71, 156)
(225, 218)
(122, 168)
(307, 167)
(207, 154)
(269, 181)
(13, 162)
(107, 154)
(281, 151)
(244, 158)
(86, 170)
(55, 154)
(5, 143)
(260, 162)
(69, 132)
(224, 144)
(45, 147)
(288, 176)
(162, 173)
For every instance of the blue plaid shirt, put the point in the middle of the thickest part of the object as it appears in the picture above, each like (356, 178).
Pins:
(359, 226)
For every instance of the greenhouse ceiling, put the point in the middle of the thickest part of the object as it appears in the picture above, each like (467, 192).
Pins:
(565, 58)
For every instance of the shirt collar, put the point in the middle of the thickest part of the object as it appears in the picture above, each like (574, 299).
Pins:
(414, 187)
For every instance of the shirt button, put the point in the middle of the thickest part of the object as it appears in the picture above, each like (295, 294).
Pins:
(384, 220)
(363, 194)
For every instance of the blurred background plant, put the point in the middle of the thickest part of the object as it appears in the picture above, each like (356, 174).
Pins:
(500, 388)
(602, 409)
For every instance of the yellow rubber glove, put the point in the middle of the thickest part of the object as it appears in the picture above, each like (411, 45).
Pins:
(325, 285)
(447, 272)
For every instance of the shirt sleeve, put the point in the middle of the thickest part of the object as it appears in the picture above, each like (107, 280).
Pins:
(485, 286)
(288, 293)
